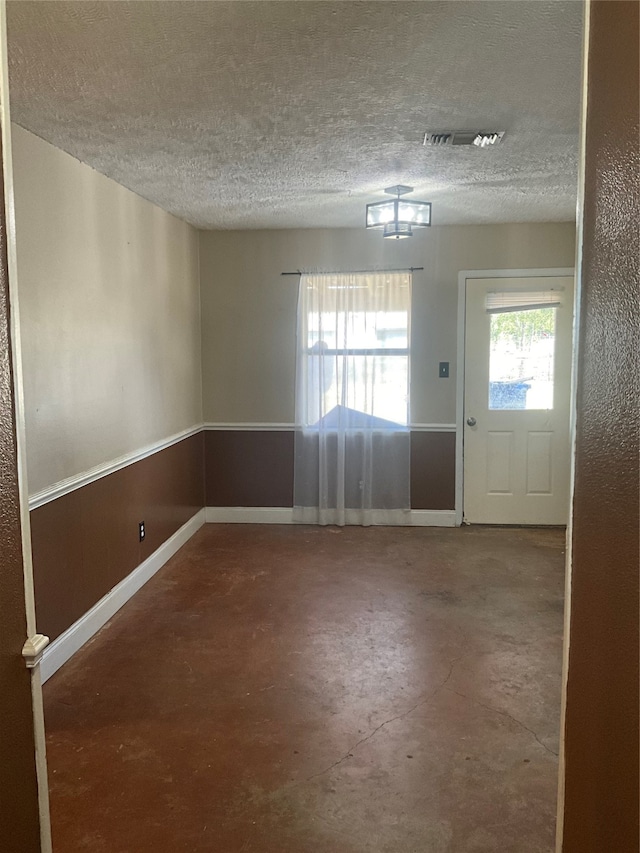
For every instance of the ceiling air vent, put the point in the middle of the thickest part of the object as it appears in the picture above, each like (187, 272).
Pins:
(479, 138)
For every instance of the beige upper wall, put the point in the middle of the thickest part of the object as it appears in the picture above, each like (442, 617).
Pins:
(110, 311)
(110, 315)
(249, 308)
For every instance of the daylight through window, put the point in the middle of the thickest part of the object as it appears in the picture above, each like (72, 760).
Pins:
(356, 329)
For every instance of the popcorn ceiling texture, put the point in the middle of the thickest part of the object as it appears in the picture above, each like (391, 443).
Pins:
(295, 114)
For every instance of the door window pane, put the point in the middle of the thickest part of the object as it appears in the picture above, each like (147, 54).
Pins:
(521, 359)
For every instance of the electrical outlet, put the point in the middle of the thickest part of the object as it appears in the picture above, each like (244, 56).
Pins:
(443, 370)
(141, 531)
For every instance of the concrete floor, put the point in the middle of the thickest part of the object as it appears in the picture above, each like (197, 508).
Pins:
(319, 690)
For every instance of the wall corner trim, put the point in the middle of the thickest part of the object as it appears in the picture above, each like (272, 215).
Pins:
(33, 650)
(249, 427)
(284, 515)
(290, 427)
(63, 487)
(68, 643)
(432, 427)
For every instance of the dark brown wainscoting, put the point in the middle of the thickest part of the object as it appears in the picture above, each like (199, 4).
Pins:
(86, 542)
(433, 470)
(255, 468)
(249, 468)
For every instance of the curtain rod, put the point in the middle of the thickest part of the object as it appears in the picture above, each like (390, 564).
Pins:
(350, 272)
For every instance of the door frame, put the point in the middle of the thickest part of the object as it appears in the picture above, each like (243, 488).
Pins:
(463, 277)
(34, 642)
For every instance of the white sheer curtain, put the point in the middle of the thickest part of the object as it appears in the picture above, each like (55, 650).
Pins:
(352, 443)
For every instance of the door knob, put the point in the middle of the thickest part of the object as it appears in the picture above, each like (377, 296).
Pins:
(471, 421)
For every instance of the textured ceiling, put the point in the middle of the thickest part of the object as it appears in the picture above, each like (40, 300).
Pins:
(295, 114)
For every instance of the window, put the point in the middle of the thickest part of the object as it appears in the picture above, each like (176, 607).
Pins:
(356, 333)
(352, 443)
(522, 348)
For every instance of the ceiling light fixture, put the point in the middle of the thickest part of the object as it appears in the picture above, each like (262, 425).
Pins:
(398, 216)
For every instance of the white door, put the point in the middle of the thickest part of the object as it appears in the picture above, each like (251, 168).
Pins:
(517, 381)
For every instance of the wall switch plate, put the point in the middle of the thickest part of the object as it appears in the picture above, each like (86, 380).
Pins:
(141, 531)
(443, 370)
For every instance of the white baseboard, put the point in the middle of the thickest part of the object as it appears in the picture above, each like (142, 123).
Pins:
(68, 643)
(284, 515)
(249, 514)
(433, 518)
